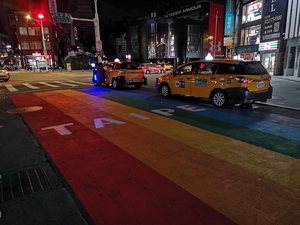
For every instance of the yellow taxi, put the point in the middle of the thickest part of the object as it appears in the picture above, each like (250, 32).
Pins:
(220, 81)
(4, 74)
(124, 73)
(168, 66)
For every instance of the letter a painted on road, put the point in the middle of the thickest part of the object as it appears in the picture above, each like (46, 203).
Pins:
(101, 122)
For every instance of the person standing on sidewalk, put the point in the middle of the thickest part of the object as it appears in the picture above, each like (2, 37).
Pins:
(100, 74)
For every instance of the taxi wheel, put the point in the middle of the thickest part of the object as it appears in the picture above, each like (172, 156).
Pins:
(165, 90)
(115, 84)
(137, 86)
(219, 99)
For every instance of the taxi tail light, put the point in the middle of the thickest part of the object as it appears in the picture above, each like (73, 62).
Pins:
(244, 80)
(270, 78)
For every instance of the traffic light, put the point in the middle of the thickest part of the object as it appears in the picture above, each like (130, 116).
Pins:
(41, 16)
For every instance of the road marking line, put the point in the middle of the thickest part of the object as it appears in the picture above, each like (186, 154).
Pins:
(76, 82)
(11, 88)
(47, 84)
(30, 86)
(72, 85)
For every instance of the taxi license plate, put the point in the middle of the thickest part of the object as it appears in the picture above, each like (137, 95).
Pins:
(260, 84)
(1, 72)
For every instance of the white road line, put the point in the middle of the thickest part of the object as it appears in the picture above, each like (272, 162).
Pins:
(11, 88)
(47, 84)
(30, 86)
(80, 82)
(58, 82)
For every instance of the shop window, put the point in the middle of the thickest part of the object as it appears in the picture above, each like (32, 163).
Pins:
(252, 11)
(292, 58)
(251, 35)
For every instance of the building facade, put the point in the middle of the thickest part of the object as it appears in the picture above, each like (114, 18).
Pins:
(292, 37)
(180, 36)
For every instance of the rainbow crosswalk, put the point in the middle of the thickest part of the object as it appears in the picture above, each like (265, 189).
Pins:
(136, 162)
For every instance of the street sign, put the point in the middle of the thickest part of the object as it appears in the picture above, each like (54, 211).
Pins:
(61, 17)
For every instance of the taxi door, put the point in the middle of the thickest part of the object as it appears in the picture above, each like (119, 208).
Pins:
(205, 79)
(183, 78)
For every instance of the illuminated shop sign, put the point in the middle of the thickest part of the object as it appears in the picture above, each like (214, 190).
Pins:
(272, 45)
(184, 10)
(246, 48)
(274, 16)
(229, 18)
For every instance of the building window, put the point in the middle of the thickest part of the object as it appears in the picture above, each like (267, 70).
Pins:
(193, 38)
(252, 11)
(48, 45)
(25, 45)
(34, 31)
(291, 58)
(36, 45)
(134, 39)
(23, 30)
(151, 45)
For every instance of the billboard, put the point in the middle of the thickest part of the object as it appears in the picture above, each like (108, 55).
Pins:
(229, 18)
(273, 20)
(215, 30)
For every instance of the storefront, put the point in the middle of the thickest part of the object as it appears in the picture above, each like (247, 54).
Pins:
(268, 54)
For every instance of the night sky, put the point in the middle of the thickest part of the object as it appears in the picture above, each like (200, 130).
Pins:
(108, 9)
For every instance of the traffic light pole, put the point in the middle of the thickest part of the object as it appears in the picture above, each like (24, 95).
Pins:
(97, 30)
(44, 46)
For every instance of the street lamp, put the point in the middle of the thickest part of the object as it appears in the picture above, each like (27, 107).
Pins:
(41, 17)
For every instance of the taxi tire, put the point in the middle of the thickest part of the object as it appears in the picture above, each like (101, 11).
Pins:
(219, 99)
(137, 86)
(165, 90)
(115, 84)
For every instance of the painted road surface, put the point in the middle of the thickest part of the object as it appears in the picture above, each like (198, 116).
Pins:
(133, 163)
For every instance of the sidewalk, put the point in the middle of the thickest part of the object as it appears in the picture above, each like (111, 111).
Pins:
(30, 191)
(286, 91)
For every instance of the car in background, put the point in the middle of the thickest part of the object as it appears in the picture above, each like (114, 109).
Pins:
(153, 68)
(220, 81)
(11, 67)
(168, 66)
(118, 74)
(4, 74)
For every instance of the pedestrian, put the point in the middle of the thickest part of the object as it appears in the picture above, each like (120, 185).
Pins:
(100, 74)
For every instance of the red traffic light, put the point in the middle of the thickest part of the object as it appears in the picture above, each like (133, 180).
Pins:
(41, 16)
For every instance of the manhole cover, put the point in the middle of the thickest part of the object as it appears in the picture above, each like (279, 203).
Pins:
(25, 109)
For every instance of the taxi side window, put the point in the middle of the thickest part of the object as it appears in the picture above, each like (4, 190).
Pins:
(206, 68)
(228, 69)
(185, 70)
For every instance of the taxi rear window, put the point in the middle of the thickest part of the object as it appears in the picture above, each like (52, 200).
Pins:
(253, 68)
